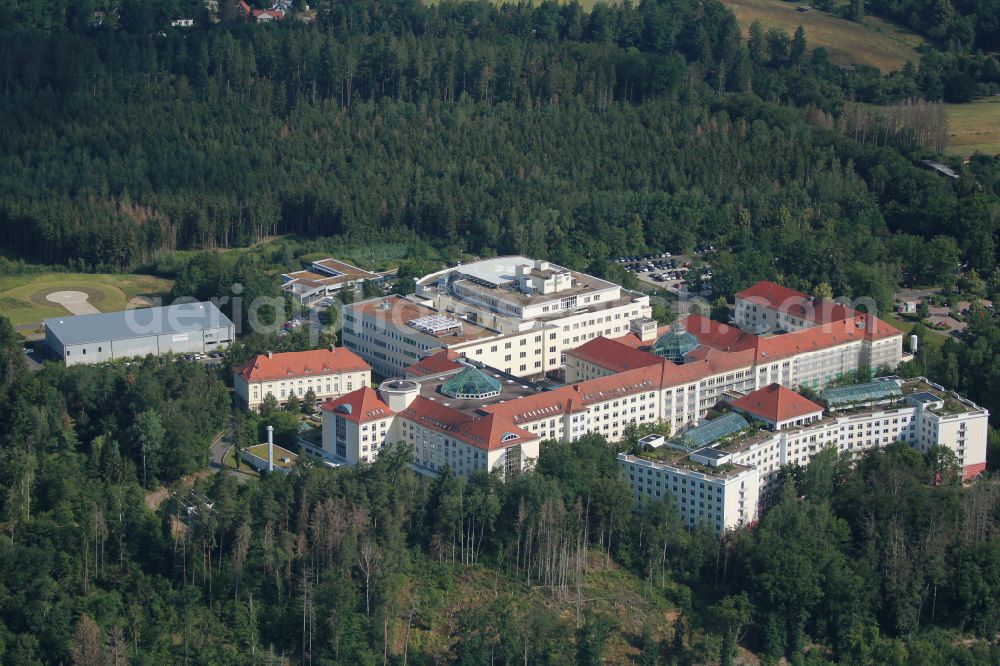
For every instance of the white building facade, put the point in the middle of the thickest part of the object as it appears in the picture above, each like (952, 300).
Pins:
(512, 313)
(926, 415)
(328, 373)
(184, 328)
(357, 426)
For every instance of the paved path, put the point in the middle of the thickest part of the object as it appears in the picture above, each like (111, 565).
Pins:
(218, 452)
(75, 302)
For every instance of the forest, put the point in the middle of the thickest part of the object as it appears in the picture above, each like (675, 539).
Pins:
(450, 122)
(888, 561)
(450, 130)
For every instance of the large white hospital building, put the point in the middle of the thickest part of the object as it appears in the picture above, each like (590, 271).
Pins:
(457, 409)
(513, 313)
(728, 477)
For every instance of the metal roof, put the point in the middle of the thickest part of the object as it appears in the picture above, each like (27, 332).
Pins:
(880, 389)
(713, 430)
(496, 271)
(165, 320)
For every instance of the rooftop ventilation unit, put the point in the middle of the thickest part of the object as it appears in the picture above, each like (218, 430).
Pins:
(436, 324)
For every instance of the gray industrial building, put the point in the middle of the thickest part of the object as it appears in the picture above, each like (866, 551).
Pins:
(187, 328)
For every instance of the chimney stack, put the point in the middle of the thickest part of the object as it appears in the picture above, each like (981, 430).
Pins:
(270, 448)
(330, 347)
(269, 354)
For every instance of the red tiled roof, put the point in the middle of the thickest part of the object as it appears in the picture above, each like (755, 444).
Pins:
(483, 432)
(273, 13)
(537, 406)
(770, 294)
(877, 329)
(795, 303)
(717, 335)
(709, 332)
(724, 347)
(632, 340)
(970, 472)
(301, 364)
(574, 398)
(823, 336)
(775, 403)
(442, 361)
(614, 355)
(703, 361)
(360, 406)
(821, 311)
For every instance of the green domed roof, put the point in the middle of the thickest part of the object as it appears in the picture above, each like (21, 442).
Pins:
(673, 344)
(471, 383)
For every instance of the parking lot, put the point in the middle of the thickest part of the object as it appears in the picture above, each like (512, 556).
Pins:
(667, 271)
(36, 353)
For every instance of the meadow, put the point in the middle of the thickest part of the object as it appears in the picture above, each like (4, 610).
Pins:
(973, 127)
(23, 297)
(876, 42)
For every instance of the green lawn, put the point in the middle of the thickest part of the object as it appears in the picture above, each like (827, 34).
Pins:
(974, 126)
(933, 338)
(229, 462)
(22, 297)
(876, 42)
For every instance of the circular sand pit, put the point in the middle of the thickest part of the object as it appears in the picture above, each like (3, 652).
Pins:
(140, 302)
(75, 302)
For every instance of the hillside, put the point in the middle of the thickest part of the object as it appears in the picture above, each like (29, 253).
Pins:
(877, 42)
(448, 609)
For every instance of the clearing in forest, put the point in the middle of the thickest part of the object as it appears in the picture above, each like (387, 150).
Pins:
(876, 42)
(974, 126)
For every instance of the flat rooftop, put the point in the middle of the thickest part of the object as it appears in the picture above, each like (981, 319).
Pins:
(496, 271)
(924, 397)
(498, 278)
(679, 460)
(335, 266)
(924, 391)
(260, 450)
(400, 311)
(126, 324)
(582, 284)
(511, 388)
(317, 278)
(325, 272)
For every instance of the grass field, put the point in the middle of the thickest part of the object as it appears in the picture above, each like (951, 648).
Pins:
(22, 297)
(974, 126)
(933, 338)
(878, 43)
